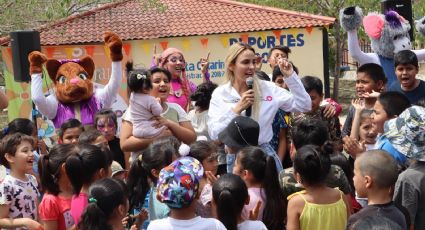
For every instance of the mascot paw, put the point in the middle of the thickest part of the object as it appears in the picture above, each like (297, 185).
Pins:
(420, 26)
(36, 60)
(114, 43)
(351, 18)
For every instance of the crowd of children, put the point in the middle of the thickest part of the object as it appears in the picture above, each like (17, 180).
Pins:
(288, 166)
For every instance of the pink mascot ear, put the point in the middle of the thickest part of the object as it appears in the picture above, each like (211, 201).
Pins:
(373, 25)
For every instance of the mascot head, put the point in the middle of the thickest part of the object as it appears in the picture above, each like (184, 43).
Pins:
(72, 79)
(388, 32)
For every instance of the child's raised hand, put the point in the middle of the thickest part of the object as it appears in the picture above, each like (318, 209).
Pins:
(253, 214)
(329, 111)
(211, 178)
(142, 216)
(374, 94)
(353, 146)
(285, 67)
(140, 219)
(358, 104)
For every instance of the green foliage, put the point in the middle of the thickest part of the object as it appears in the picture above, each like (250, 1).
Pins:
(30, 14)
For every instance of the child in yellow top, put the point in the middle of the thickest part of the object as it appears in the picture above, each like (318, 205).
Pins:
(318, 206)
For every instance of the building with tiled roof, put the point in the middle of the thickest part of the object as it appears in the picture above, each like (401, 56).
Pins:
(196, 27)
(133, 21)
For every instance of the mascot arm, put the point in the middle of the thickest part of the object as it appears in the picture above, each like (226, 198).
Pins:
(46, 105)
(420, 54)
(108, 94)
(357, 53)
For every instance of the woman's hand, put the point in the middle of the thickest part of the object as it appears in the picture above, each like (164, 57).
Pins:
(204, 64)
(285, 67)
(247, 99)
(160, 121)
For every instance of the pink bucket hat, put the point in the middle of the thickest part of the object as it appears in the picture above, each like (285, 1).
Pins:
(166, 53)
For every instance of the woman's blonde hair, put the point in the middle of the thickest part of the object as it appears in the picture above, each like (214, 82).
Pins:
(234, 51)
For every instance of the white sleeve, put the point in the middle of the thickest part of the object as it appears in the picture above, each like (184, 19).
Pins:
(180, 111)
(420, 54)
(298, 100)
(355, 51)
(219, 115)
(108, 94)
(47, 106)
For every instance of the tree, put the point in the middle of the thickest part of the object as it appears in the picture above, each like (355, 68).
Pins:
(331, 8)
(31, 14)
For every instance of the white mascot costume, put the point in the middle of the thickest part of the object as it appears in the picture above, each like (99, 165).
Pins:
(389, 34)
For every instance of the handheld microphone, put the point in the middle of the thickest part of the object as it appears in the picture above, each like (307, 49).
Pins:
(249, 83)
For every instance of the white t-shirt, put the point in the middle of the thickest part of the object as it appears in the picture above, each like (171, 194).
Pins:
(173, 112)
(225, 98)
(21, 196)
(199, 123)
(252, 225)
(197, 223)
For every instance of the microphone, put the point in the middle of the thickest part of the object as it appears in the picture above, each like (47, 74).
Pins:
(249, 83)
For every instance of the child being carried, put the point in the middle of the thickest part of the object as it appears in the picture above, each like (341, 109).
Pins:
(143, 107)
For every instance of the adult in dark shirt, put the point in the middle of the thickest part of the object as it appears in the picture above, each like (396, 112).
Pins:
(106, 122)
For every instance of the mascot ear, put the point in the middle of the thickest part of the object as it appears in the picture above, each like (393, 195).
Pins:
(52, 66)
(373, 25)
(88, 65)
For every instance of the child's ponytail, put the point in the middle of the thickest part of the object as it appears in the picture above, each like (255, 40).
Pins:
(275, 207)
(157, 156)
(230, 194)
(227, 213)
(137, 183)
(264, 170)
(93, 218)
(49, 166)
(137, 78)
(75, 171)
(105, 196)
(82, 167)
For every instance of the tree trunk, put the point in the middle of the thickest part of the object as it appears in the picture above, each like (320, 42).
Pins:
(338, 60)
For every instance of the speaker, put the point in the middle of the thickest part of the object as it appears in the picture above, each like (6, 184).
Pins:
(23, 43)
(402, 7)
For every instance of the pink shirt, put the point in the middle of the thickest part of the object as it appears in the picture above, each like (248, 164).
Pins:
(78, 204)
(182, 100)
(55, 208)
(255, 194)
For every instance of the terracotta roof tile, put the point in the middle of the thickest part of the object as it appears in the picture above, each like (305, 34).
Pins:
(132, 21)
